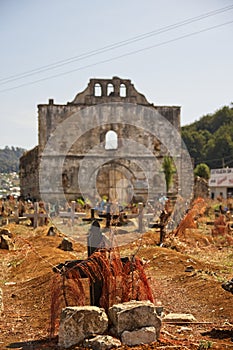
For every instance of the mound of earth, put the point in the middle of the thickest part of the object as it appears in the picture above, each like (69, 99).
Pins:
(186, 277)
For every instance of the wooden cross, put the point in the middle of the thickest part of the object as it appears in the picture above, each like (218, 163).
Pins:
(71, 214)
(36, 215)
(92, 218)
(94, 241)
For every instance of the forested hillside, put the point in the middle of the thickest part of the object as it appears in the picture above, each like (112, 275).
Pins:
(9, 159)
(210, 139)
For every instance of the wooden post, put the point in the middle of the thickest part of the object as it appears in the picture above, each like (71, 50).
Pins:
(35, 218)
(94, 240)
(92, 213)
(48, 208)
(94, 237)
(140, 217)
(72, 216)
(108, 215)
(16, 211)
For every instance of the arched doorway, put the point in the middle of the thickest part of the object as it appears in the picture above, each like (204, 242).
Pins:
(118, 182)
(115, 183)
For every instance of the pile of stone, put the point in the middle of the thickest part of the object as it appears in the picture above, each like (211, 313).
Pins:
(6, 240)
(131, 323)
(228, 286)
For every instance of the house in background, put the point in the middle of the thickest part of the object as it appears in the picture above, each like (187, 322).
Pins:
(221, 183)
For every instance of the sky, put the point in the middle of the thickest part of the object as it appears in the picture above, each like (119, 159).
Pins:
(175, 52)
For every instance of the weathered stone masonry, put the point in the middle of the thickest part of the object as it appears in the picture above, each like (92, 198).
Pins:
(98, 91)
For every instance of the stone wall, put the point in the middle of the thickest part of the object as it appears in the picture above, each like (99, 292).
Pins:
(99, 91)
(201, 188)
(28, 173)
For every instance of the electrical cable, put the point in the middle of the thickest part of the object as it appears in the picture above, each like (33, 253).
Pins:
(211, 160)
(118, 57)
(229, 162)
(112, 46)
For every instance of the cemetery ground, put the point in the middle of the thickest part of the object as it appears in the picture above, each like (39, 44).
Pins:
(185, 275)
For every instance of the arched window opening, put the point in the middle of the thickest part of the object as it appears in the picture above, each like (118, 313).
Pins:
(110, 89)
(111, 140)
(97, 90)
(122, 90)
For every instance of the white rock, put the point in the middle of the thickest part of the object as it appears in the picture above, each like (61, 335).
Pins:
(176, 317)
(102, 342)
(184, 329)
(145, 335)
(79, 322)
(134, 315)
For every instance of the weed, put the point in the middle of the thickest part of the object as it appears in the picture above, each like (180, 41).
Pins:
(14, 263)
(205, 344)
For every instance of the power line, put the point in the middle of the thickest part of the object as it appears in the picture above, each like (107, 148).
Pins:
(118, 57)
(215, 159)
(112, 46)
(227, 163)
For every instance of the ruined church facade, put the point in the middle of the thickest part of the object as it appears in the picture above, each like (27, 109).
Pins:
(120, 177)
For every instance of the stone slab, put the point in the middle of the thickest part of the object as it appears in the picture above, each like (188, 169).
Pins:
(145, 335)
(80, 322)
(102, 342)
(133, 315)
(176, 317)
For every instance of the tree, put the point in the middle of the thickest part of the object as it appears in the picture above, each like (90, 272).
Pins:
(196, 142)
(9, 159)
(220, 147)
(210, 139)
(202, 170)
(169, 171)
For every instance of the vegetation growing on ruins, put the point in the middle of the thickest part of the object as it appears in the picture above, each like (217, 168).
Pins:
(169, 171)
(202, 170)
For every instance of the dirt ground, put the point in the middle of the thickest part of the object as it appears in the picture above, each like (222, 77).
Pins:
(26, 276)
